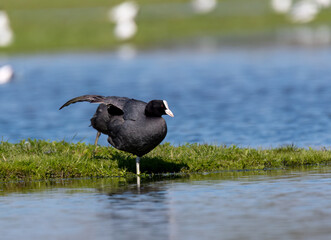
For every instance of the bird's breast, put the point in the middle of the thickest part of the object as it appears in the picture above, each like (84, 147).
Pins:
(140, 136)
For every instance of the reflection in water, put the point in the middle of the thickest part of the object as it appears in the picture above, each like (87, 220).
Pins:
(126, 51)
(139, 213)
(305, 35)
(283, 204)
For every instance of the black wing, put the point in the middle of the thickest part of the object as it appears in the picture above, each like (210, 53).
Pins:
(113, 102)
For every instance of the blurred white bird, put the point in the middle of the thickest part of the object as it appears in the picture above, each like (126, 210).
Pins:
(125, 30)
(304, 11)
(323, 3)
(203, 6)
(6, 74)
(123, 15)
(126, 11)
(281, 6)
(6, 34)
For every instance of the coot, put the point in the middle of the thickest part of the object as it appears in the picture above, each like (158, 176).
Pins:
(133, 126)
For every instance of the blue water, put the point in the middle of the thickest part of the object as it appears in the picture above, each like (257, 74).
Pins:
(284, 204)
(258, 97)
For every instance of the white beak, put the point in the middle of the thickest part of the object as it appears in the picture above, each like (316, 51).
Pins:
(167, 111)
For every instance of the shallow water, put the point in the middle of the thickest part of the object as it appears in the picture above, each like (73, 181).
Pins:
(258, 97)
(279, 204)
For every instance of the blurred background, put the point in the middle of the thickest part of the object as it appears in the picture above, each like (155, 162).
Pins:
(87, 24)
(252, 73)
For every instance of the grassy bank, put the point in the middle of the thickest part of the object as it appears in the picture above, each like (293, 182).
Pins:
(81, 25)
(36, 159)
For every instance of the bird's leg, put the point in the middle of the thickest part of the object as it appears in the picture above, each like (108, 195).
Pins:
(97, 138)
(138, 165)
(96, 143)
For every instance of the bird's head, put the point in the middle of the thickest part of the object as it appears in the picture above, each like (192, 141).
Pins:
(157, 108)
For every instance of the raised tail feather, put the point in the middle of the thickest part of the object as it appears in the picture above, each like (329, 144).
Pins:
(85, 98)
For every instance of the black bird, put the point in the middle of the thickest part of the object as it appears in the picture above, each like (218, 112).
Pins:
(133, 126)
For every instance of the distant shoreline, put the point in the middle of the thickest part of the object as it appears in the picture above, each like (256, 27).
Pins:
(68, 26)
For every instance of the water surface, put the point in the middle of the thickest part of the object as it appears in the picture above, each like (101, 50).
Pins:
(279, 204)
(258, 97)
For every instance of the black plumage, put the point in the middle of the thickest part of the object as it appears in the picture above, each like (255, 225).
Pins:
(133, 126)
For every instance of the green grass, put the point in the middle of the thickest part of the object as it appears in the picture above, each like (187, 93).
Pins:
(83, 25)
(37, 159)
